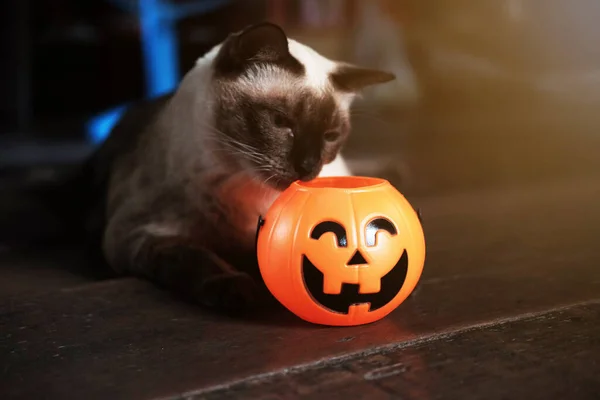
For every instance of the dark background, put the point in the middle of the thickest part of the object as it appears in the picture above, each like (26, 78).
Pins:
(68, 59)
(484, 71)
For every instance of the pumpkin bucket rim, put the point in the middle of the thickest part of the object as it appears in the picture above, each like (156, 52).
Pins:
(344, 183)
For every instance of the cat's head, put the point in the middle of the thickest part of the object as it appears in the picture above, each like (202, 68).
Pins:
(282, 109)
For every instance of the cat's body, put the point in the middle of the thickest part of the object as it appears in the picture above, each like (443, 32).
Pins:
(187, 175)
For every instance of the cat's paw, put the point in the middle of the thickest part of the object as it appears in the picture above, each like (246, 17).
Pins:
(235, 292)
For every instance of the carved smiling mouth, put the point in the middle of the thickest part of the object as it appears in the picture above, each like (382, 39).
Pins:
(391, 284)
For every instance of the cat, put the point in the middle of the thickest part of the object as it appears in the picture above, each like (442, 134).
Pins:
(187, 175)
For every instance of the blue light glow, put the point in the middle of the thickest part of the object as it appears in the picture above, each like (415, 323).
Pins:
(100, 126)
(160, 51)
(160, 47)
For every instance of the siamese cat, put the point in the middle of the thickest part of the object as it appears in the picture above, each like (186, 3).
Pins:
(185, 177)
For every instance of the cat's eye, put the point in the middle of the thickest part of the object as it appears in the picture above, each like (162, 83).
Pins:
(331, 136)
(281, 121)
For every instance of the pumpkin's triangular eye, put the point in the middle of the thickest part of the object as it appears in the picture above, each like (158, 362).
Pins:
(357, 259)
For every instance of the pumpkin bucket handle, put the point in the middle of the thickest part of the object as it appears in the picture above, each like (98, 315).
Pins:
(259, 225)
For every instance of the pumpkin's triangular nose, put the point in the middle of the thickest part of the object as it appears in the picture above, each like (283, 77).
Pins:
(357, 259)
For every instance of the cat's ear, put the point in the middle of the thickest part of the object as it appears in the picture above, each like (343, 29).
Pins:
(261, 42)
(351, 78)
(264, 42)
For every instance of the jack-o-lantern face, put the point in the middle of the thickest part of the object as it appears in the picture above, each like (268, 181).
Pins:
(341, 251)
(372, 276)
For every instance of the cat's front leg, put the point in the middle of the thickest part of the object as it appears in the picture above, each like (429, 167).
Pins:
(200, 276)
(174, 262)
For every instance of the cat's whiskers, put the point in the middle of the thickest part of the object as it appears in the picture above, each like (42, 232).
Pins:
(227, 141)
(233, 148)
(266, 182)
(241, 144)
(267, 191)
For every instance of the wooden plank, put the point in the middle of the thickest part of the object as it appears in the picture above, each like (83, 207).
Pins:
(548, 356)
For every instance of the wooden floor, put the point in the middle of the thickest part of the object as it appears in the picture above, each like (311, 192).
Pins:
(543, 355)
(508, 307)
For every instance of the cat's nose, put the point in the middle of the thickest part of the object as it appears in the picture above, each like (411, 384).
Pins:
(307, 166)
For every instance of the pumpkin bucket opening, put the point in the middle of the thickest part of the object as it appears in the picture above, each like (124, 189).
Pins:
(342, 182)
